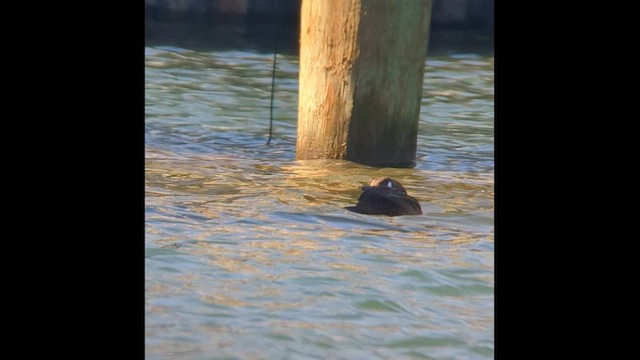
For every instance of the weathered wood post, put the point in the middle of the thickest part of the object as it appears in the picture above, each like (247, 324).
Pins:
(361, 72)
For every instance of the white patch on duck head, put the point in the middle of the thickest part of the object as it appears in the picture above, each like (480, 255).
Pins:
(389, 184)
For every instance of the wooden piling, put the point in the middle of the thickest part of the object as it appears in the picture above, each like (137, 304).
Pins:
(361, 73)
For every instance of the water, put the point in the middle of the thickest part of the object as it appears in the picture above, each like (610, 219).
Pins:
(248, 252)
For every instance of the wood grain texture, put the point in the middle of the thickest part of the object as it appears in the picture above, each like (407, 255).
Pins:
(361, 73)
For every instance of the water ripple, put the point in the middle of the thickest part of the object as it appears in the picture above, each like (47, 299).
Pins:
(251, 254)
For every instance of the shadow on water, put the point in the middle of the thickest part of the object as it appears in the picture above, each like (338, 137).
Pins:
(261, 37)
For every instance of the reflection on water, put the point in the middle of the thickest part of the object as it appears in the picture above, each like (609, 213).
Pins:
(250, 254)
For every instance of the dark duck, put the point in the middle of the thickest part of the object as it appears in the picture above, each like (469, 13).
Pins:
(385, 196)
